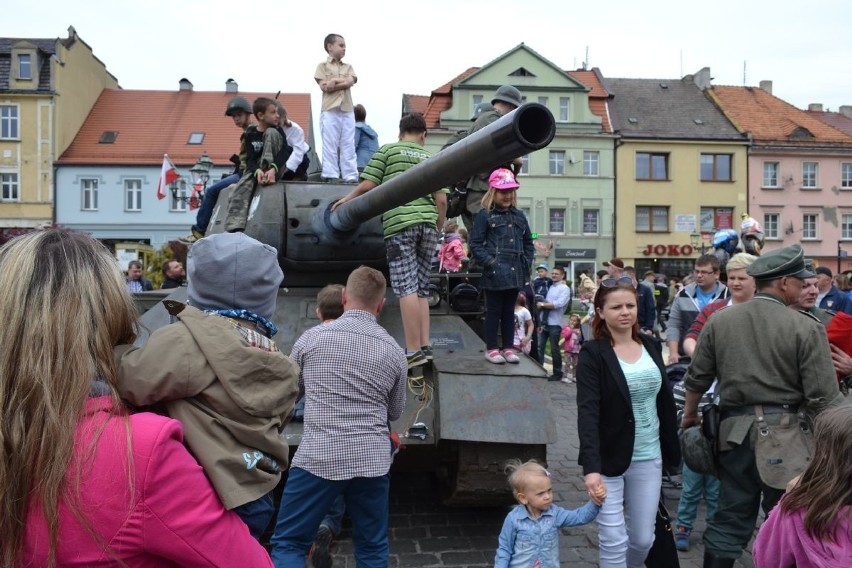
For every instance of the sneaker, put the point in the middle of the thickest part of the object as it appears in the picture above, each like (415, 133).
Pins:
(555, 377)
(416, 359)
(320, 553)
(493, 356)
(568, 380)
(681, 538)
(427, 352)
(191, 239)
(509, 356)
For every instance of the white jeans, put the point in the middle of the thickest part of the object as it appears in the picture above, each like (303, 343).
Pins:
(626, 520)
(337, 129)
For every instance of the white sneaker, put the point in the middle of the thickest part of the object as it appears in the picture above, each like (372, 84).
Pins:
(493, 356)
(510, 356)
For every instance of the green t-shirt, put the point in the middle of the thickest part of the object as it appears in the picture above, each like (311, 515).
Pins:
(388, 162)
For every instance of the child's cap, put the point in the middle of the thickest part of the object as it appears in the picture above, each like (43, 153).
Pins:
(502, 179)
(233, 271)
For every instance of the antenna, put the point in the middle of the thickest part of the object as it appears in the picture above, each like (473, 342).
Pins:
(586, 62)
(745, 82)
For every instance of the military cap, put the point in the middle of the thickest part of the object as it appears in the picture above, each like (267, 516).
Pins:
(787, 261)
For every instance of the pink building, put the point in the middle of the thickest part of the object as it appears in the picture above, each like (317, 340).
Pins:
(799, 173)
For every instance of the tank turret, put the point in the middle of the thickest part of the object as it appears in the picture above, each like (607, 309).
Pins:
(312, 240)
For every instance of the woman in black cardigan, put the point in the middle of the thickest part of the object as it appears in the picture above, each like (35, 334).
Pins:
(626, 422)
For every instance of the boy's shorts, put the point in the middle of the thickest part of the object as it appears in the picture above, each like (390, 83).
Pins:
(410, 254)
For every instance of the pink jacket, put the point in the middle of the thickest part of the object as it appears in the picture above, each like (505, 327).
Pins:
(173, 518)
(783, 542)
(451, 253)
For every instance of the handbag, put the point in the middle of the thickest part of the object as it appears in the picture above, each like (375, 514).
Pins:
(663, 553)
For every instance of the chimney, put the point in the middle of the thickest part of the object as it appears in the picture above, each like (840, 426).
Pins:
(815, 107)
(846, 110)
(231, 86)
(766, 86)
(185, 84)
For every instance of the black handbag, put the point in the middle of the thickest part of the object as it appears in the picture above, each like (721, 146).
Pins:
(663, 553)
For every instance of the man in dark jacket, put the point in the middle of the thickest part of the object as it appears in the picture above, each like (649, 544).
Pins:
(135, 281)
(829, 297)
(647, 311)
(173, 273)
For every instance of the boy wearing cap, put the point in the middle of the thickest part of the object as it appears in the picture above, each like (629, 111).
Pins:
(774, 373)
(541, 285)
(217, 370)
(411, 233)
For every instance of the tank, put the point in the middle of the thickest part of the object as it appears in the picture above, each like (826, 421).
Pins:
(467, 416)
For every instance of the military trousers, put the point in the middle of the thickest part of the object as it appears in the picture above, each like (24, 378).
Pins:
(741, 494)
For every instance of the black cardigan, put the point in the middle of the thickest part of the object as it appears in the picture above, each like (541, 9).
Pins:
(605, 414)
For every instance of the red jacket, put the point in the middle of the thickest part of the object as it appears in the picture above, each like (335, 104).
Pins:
(173, 518)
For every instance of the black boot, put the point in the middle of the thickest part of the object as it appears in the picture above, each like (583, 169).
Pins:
(713, 561)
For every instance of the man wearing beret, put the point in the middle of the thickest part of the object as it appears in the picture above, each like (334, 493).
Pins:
(775, 373)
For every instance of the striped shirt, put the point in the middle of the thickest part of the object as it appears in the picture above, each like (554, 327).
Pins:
(644, 382)
(353, 375)
(388, 162)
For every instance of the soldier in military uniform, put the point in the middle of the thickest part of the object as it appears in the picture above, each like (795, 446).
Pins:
(775, 372)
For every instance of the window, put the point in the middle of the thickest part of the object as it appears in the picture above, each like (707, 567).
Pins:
(770, 225)
(846, 176)
(809, 226)
(810, 175)
(591, 221)
(542, 101)
(527, 212)
(652, 166)
(25, 66)
(90, 194)
(108, 137)
(178, 199)
(133, 195)
(715, 167)
(525, 165)
(557, 163)
(770, 174)
(564, 109)
(846, 227)
(195, 138)
(477, 100)
(652, 219)
(9, 187)
(715, 218)
(557, 220)
(591, 164)
(9, 122)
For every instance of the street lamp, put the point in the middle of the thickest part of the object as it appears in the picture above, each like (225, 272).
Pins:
(200, 176)
(696, 240)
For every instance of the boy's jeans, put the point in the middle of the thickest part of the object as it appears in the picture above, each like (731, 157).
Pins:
(694, 484)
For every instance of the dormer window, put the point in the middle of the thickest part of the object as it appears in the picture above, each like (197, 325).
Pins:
(195, 138)
(25, 66)
(108, 137)
(521, 72)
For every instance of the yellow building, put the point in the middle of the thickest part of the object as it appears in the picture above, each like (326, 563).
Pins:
(47, 88)
(681, 171)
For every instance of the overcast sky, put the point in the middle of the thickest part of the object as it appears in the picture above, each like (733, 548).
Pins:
(397, 47)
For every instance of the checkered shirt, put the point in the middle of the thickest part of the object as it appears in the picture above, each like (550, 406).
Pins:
(354, 378)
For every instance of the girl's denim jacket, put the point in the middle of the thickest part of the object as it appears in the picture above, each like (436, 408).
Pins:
(501, 244)
(525, 540)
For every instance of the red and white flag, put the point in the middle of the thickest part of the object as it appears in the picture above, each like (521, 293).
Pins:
(167, 175)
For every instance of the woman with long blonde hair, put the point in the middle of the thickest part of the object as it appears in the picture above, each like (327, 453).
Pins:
(82, 482)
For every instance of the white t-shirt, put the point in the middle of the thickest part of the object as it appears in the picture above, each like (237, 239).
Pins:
(522, 316)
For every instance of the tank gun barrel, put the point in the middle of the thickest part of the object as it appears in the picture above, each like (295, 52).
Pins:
(528, 128)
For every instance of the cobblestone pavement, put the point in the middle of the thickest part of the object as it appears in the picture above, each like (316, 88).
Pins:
(423, 533)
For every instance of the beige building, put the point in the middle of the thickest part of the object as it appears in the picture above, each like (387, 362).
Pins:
(47, 88)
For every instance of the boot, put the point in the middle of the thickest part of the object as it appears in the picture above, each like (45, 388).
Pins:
(713, 561)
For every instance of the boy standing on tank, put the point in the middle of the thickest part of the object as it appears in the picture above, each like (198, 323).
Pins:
(337, 119)
(266, 154)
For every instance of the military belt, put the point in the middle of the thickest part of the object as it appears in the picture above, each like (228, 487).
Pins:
(767, 409)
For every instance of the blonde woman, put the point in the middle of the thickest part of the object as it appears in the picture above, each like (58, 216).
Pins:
(81, 481)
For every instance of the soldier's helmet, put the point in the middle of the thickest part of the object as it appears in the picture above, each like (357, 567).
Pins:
(480, 108)
(237, 104)
(697, 451)
(508, 94)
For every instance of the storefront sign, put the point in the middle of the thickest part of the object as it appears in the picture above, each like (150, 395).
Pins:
(668, 250)
(575, 253)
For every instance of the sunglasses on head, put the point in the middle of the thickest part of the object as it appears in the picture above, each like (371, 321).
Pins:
(614, 282)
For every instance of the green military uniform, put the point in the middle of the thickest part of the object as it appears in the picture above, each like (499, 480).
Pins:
(763, 353)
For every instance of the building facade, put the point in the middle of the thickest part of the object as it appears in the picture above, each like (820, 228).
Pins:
(47, 88)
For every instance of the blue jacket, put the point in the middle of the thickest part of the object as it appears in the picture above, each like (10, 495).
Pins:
(647, 310)
(366, 143)
(837, 301)
(501, 243)
(524, 540)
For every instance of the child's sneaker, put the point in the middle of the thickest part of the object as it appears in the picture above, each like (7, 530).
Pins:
(427, 352)
(493, 356)
(320, 552)
(681, 538)
(510, 356)
(191, 239)
(416, 359)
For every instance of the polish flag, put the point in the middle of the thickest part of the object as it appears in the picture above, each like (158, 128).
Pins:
(167, 175)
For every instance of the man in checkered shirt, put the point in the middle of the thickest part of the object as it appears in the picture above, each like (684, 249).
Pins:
(354, 377)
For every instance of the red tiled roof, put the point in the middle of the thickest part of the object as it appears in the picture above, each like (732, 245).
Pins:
(153, 123)
(598, 95)
(769, 118)
(835, 119)
(417, 103)
(442, 98)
